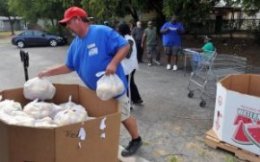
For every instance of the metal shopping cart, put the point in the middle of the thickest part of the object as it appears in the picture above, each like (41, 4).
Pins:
(200, 77)
(211, 71)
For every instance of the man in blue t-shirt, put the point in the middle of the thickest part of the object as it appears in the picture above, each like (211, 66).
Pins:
(171, 36)
(97, 48)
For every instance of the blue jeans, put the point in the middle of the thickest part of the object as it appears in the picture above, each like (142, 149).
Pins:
(195, 61)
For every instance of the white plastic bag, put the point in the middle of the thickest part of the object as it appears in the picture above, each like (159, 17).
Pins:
(38, 110)
(7, 106)
(69, 113)
(38, 88)
(109, 86)
(70, 116)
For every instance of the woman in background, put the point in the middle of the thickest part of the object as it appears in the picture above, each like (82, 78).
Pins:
(130, 64)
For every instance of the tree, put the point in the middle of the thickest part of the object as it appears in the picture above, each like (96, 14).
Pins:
(106, 9)
(250, 6)
(5, 12)
(101, 9)
(32, 10)
(188, 10)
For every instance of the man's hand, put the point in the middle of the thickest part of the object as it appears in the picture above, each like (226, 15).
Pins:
(165, 30)
(120, 55)
(43, 73)
(111, 69)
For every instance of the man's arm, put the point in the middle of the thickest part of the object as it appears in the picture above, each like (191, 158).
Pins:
(164, 30)
(57, 70)
(143, 40)
(120, 55)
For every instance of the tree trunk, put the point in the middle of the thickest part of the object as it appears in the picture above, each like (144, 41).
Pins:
(133, 13)
(11, 24)
(232, 25)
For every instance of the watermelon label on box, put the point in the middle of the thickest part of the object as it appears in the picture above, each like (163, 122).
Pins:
(247, 125)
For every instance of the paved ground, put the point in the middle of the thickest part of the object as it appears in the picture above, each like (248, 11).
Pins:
(172, 125)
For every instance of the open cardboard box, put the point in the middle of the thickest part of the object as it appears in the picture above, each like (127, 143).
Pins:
(237, 111)
(27, 144)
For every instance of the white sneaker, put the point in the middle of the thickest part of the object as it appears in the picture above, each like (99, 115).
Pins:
(175, 67)
(168, 67)
(149, 64)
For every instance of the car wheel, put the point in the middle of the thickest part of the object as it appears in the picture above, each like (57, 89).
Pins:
(20, 44)
(53, 43)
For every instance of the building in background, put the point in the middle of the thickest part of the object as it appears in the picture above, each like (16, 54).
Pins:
(6, 26)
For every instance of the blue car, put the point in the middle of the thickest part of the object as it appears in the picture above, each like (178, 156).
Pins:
(37, 38)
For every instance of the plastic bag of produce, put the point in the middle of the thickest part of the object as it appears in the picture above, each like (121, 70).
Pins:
(38, 110)
(109, 86)
(38, 88)
(72, 113)
(7, 106)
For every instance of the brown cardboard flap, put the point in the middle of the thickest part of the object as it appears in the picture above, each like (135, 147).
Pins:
(94, 148)
(4, 147)
(16, 95)
(236, 83)
(254, 88)
(226, 81)
(31, 144)
(63, 92)
(240, 83)
(244, 83)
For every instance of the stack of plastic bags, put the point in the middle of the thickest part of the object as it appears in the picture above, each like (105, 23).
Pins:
(39, 113)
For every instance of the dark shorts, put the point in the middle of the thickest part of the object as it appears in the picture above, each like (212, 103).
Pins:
(151, 50)
(172, 50)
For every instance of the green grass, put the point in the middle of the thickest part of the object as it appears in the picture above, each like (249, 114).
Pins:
(8, 34)
(230, 158)
(5, 34)
(173, 159)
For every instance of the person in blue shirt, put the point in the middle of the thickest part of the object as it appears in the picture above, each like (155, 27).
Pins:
(97, 48)
(171, 37)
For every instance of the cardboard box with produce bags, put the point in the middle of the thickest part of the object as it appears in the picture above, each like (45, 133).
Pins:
(237, 111)
(62, 144)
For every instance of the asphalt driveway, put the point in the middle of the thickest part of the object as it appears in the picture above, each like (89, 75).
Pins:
(171, 124)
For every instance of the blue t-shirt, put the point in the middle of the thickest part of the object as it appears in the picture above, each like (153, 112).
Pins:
(92, 53)
(172, 37)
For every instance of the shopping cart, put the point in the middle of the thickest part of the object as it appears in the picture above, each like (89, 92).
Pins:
(200, 77)
(211, 71)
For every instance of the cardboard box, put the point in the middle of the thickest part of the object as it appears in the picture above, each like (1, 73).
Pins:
(237, 111)
(26, 144)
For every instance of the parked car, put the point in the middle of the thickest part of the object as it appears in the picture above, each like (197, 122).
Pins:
(37, 38)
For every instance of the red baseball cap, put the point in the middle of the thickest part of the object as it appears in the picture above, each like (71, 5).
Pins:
(73, 12)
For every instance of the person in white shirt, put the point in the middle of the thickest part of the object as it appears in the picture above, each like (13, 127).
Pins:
(130, 64)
